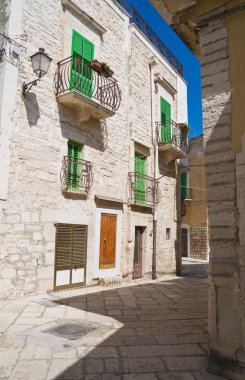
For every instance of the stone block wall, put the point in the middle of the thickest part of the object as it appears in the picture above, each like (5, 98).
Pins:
(199, 243)
(41, 129)
(224, 178)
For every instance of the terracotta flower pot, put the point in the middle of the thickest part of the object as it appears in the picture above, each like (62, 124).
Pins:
(98, 67)
(95, 65)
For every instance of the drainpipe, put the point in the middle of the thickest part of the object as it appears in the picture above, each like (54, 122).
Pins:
(152, 62)
(178, 201)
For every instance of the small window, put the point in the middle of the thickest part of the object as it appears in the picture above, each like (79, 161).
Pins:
(74, 165)
(168, 230)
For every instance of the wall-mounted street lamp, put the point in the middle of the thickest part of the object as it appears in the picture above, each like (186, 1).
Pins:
(40, 64)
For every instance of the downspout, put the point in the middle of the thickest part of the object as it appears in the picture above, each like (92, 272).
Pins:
(152, 62)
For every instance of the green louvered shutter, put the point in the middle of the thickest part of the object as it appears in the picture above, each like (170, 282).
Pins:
(74, 166)
(183, 185)
(82, 51)
(165, 109)
(140, 185)
(88, 55)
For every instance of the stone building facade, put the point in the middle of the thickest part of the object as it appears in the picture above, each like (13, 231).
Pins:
(83, 166)
(214, 30)
(194, 237)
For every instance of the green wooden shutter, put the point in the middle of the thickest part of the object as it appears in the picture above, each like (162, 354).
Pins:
(165, 110)
(140, 183)
(82, 51)
(74, 166)
(183, 184)
(88, 55)
(76, 66)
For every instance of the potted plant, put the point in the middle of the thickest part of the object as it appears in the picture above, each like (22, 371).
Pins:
(184, 127)
(106, 70)
(101, 67)
(95, 65)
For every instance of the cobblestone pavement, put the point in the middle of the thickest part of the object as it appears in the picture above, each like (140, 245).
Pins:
(148, 330)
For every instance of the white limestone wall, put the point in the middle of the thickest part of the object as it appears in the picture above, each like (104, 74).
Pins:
(141, 130)
(181, 101)
(167, 218)
(39, 141)
(41, 129)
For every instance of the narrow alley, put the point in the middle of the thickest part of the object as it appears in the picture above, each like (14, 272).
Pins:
(147, 330)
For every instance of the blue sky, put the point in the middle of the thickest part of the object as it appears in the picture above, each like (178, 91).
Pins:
(184, 55)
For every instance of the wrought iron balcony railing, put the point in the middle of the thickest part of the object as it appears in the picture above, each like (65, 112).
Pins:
(170, 133)
(139, 21)
(123, 3)
(143, 190)
(76, 175)
(75, 74)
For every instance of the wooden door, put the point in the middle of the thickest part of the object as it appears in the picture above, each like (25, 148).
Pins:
(184, 242)
(108, 230)
(165, 121)
(70, 255)
(138, 253)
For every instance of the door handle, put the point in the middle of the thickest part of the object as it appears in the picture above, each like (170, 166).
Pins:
(104, 241)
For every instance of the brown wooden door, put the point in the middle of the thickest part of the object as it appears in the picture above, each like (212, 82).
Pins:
(184, 242)
(138, 248)
(108, 229)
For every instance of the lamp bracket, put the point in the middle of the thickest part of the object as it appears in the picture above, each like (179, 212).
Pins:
(28, 86)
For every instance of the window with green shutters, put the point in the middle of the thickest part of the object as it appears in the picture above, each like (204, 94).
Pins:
(165, 109)
(82, 51)
(74, 165)
(140, 181)
(183, 185)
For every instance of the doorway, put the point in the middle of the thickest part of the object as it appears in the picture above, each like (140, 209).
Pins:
(70, 255)
(108, 230)
(184, 242)
(138, 253)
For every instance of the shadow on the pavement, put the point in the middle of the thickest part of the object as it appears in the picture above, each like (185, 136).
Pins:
(192, 268)
(164, 329)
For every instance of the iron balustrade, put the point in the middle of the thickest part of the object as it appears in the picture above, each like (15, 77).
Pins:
(76, 175)
(123, 3)
(143, 190)
(75, 74)
(138, 20)
(170, 133)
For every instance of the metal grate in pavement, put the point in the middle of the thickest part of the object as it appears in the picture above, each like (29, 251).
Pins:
(70, 330)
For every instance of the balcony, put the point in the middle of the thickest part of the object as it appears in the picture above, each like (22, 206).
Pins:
(143, 190)
(172, 140)
(152, 37)
(89, 93)
(76, 176)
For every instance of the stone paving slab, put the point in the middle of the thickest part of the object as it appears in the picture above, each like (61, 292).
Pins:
(149, 330)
